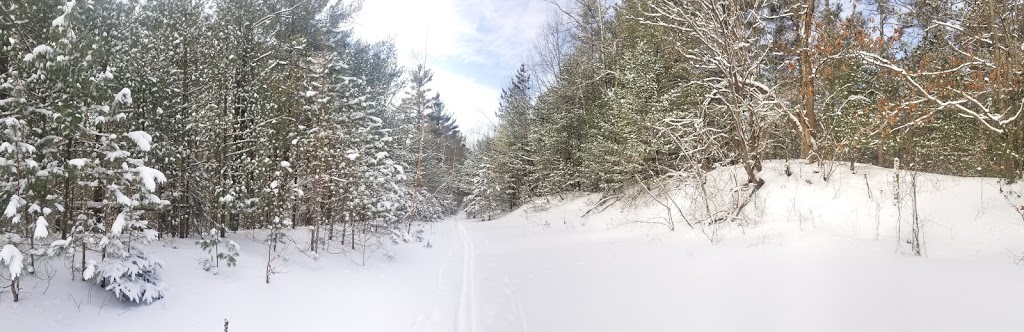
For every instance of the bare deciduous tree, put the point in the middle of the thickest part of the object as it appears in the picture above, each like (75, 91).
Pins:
(731, 55)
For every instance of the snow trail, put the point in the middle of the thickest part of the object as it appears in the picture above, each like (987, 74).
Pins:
(466, 321)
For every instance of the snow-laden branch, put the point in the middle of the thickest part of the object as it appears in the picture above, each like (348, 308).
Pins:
(993, 121)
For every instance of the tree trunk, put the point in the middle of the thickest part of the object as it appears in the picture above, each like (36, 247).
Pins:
(344, 229)
(316, 231)
(14, 288)
(330, 220)
(880, 158)
(270, 256)
(84, 248)
(808, 120)
(4, 61)
(69, 196)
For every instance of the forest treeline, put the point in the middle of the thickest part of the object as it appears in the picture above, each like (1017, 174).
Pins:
(128, 120)
(623, 93)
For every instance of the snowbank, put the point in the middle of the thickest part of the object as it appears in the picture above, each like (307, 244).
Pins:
(811, 255)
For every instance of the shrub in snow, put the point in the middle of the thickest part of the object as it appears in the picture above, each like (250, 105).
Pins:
(126, 270)
(132, 277)
(1013, 193)
(212, 246)
(12, 258)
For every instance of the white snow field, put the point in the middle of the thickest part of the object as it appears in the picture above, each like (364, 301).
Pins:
(815, 256)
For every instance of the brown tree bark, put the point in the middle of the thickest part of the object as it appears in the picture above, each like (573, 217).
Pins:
(808, 118)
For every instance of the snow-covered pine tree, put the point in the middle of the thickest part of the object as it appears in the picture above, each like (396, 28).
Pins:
(28, 174)
(443, 152)
(246, 118)
(412, 129)
(26, 187)
(90, 142)
(171, 83)
(317, 157)
(229, 254)
(276, 203)
(486, 197)
(511, 154)
(377, 196)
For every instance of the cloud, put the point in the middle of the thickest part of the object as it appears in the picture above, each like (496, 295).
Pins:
(473, 46)
(472, 103)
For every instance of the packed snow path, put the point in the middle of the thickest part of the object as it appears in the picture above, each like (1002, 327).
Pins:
(466, 320)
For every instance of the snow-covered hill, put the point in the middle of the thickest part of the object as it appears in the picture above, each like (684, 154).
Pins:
(811, 255)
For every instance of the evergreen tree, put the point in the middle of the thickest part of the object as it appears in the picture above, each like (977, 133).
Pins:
(511, 153)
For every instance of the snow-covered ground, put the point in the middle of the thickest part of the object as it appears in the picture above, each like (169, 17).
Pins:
(815, 256)
(415, 291)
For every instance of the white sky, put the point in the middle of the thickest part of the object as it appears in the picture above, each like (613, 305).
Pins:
(472, 46)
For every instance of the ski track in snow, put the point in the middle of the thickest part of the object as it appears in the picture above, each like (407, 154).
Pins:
(505, 295)
(466, 321)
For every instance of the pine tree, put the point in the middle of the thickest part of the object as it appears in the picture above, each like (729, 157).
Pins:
(511, 153)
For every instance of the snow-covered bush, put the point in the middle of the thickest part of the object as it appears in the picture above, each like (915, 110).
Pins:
(1013, 193)
(132, 277)
(12, 259)
(212, 246)
(12, 263)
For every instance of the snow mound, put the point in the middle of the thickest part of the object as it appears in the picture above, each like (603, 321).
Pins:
(960, 216)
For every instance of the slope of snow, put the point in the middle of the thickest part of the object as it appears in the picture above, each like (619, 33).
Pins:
(809, 260)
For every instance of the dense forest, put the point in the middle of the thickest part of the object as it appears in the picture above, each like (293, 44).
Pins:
(641, 92)
(126, 121)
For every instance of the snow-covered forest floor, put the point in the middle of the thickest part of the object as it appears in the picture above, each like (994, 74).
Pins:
(810, 256)
(411, 292)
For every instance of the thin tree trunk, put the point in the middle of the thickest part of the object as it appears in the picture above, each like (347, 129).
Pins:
(270, 256)
(880, 158)
(315, 233)
(69, 195)
(330, 220)
(84, 249)
(14, 288)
